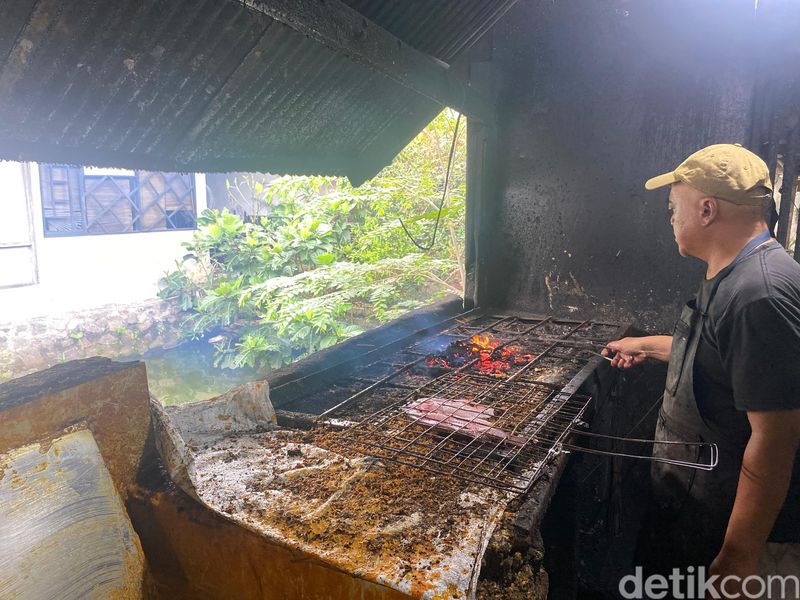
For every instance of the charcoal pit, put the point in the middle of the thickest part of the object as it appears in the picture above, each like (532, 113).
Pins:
(536, 375)
(402, 470)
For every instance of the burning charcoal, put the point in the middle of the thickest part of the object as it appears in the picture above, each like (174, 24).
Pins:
(487, 355)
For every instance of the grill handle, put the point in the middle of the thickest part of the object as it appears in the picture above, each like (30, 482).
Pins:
(565, 448)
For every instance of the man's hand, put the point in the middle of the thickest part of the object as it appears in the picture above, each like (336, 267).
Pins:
(737, 568)
(631, 351)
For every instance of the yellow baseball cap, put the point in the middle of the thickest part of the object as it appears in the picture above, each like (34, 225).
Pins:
(725, 171)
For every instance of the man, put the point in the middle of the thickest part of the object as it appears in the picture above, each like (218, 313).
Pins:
(733, 378)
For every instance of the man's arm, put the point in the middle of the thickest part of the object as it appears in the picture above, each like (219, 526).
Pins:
(763, 483)
(632, 351)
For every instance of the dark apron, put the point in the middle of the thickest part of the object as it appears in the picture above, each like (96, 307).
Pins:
(694, 506)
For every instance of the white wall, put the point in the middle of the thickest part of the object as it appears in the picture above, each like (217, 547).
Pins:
(84, 272)
(17, 251)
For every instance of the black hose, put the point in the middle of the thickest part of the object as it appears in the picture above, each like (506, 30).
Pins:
(444, 195)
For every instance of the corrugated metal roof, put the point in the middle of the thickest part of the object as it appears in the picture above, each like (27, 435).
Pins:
(211, 85)
(440, 28)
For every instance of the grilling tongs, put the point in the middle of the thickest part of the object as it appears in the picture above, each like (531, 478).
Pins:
(713, 452)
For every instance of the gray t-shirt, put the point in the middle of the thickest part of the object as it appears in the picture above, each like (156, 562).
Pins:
(748, 358)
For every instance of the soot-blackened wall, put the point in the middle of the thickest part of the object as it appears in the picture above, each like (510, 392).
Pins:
(596, 97)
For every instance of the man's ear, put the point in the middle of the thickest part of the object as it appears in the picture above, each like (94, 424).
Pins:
(709, 209)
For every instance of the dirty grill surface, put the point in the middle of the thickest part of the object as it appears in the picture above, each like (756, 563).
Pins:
(489, 400)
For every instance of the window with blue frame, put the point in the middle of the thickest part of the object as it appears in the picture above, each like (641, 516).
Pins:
(88, 200)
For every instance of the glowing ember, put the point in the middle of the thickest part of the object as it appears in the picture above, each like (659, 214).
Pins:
(492, 359)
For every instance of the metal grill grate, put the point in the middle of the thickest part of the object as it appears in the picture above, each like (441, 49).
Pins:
(490, 399)
(496, 433)
(496, 427)
(548, 350)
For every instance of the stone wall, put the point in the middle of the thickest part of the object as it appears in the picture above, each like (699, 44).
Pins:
(114, 331)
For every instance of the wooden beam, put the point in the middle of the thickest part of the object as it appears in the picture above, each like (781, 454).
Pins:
(346, 31)
(791, 170)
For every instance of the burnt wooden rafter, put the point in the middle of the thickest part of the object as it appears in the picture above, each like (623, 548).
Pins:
(346, 31)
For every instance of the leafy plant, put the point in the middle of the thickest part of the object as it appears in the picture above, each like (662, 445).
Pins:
(324, 261)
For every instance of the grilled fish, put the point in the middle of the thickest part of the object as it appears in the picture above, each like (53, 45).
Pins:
(461, 416)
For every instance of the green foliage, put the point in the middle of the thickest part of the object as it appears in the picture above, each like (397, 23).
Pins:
(325, 260)
(179, 286)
